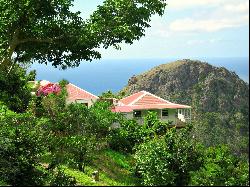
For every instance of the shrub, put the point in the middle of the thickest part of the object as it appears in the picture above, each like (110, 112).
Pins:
(130, 133)
(126, 137)
(221, 168)
(168, 159)
(21, 145)
(61, 179)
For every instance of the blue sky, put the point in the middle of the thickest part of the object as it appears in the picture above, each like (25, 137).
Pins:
(188, 29)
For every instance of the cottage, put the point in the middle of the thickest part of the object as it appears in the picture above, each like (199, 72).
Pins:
(75, 94)
(78, 95)
(137, 105)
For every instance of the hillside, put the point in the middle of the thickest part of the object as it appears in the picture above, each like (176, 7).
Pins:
(205, 87)
(114, 167)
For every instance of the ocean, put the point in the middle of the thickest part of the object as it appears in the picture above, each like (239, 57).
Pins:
(102, 75)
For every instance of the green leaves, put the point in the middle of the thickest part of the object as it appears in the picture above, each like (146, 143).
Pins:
(14, 90)
(47, 31)
(21, 145)
(221, 168)
(168, 159)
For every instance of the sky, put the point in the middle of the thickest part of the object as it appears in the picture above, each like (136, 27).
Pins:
(188, 29)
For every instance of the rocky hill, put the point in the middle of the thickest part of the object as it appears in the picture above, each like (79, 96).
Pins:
(205, 87)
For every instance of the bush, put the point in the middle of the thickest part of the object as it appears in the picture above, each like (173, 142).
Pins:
(221, 168)
(130, 133)
(126, 137)
(21, 145)
(61, 179)
(168, 159)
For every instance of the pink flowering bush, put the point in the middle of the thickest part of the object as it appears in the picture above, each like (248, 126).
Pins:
(48, 89)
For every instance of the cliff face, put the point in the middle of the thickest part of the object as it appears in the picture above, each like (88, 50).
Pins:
(205, 87)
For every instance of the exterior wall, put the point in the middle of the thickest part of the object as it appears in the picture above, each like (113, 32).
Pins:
(171, 116)
(177, 116)
(90, 102)
(128, 115)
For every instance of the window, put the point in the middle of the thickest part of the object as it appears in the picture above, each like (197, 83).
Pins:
(165, 113)
(176, 114)
(137, 114)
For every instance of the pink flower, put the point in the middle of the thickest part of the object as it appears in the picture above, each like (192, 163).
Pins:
(48, 89)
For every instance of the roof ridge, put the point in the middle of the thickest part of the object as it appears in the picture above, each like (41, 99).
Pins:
(129, 96)
(84, 90)
(158, 97)
(137, 99)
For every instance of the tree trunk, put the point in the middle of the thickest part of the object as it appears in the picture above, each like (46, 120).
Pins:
(6, 62)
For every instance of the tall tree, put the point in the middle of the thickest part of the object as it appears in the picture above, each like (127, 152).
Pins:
(48, 31)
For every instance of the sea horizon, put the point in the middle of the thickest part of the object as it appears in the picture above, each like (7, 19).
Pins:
(102, 75)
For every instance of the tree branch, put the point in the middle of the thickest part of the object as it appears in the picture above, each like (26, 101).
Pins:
(38, 40)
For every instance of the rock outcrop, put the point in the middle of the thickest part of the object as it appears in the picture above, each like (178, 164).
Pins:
(205, 87)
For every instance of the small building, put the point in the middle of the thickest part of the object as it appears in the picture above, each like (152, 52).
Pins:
(78, 95)
(75, 94)
(136, 106)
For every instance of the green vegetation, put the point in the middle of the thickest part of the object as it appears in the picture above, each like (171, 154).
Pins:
(47, 31)
(14, 90)
(114, 169)
(219, 100)
(63, 144)
(46, 142)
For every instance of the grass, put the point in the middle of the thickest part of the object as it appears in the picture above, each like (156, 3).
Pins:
(114, 168)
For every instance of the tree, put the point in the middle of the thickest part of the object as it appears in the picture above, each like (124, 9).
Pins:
(47, 31)
(21, 145)
(221, 168)
(169, 159)
(14, 90)
(213, 129)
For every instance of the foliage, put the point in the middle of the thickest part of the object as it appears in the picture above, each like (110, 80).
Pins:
(153, 125)
(77, 131)
(130, 133)
(51, 102)
(21, 145)
(101, 118)
(167, 160)
(14, 90)
(62, 179)
(81, 149)
(110, 94)
(126, 136)
(221, 168)
(47, 31)
(4, 110)
(32, 75)
(212, 129)
(114, 168)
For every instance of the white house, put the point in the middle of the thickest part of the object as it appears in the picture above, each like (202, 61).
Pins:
(137, 105)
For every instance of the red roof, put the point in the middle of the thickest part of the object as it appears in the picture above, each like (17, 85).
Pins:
(130, 99)
(76, 93)
(144, 100)
(122, 109)
(148, 99)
